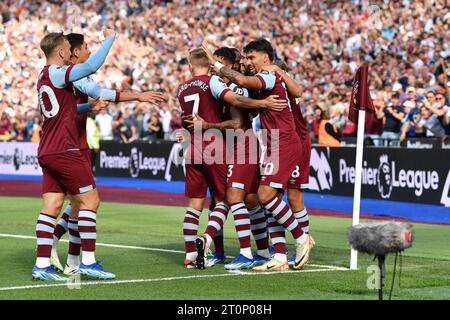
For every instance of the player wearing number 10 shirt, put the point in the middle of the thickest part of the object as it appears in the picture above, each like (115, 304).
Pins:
(278, 166)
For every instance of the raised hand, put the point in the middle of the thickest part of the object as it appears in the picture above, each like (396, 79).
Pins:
(210, 55)
(108, 32)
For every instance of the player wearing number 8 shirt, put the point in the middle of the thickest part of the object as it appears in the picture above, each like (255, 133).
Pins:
(299, 180)
(65, 170)
(277, 168)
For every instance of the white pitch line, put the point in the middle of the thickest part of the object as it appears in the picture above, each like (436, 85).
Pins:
(230, 274)
(5, 235)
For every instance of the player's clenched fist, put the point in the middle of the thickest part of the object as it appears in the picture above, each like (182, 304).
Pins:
(108, 32)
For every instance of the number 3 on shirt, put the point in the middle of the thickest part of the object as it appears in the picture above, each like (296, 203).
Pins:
(53, 102)
(196, 98)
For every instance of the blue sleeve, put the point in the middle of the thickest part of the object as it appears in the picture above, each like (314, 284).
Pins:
(58, 75)
(92, 64)
(218, 87)
(84, 107)
(268, 79)
(89, 87)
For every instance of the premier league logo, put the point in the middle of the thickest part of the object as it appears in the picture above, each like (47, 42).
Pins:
(134, 162)
(384, 178)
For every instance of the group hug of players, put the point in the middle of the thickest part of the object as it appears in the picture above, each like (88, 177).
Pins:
(254, 195)
(226, 91)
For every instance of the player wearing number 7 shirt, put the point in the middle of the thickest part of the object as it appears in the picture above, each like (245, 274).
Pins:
(65, 169)
(243, 175)
(278, 166)
(201, 95)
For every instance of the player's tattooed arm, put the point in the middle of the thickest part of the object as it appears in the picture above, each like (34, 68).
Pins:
(252, 83)
(194, 122)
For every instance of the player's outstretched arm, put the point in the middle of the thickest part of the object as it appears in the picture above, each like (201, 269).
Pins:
(94, 62)
(93, 90)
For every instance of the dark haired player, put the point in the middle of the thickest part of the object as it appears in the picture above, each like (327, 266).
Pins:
(278, 166)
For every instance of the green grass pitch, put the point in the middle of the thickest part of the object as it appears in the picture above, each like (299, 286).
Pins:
(153, 267)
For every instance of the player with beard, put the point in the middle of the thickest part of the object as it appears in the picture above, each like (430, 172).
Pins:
(243, 173)
(201, 96)
(65, 170)
(84, 89)
(277, 167)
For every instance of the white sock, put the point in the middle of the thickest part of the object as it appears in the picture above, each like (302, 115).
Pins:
(280, 257)
(247, 252)
(191, 255)
(88, 257)
(72, 260)
(302, 239)
(264, 253)
(42, 262)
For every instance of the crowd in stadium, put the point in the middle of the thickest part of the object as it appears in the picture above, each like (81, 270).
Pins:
(406, 42)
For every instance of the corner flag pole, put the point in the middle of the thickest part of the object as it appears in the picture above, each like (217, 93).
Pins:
(358, 176)
(362, 102)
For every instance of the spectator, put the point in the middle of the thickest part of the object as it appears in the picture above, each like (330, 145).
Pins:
(328, 133)
(440, 110)
(123, 132)
(5, 127)
(166, 117)
(104, 122)
(131, 123)
(93, 140)
(36, 132)
(374, 122)
(318, 116)
(425, 125)
(175, 122)
(337, 110)
(155, 130)
(393, 116)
